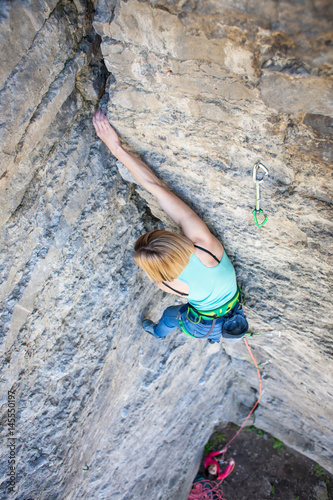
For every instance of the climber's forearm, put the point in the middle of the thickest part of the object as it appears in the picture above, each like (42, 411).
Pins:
(142, 173)
(193, 227)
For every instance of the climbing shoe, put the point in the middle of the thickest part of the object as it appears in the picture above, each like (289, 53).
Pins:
(148, 326)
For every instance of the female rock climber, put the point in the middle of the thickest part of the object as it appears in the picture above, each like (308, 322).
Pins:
(206, 489)
(192, 265)
(213, 468)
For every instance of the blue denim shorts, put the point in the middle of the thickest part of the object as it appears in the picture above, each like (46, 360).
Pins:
(232, 325)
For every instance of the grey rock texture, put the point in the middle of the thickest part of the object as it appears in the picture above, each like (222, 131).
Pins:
(201, 90)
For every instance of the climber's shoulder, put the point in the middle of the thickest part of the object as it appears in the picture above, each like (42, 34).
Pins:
(210, 251)
(197, 231)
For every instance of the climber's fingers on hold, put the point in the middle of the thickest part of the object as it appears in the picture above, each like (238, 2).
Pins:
(99, 120)
(102, 125)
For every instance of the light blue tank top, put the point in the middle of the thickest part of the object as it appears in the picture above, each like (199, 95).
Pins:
(210, 287)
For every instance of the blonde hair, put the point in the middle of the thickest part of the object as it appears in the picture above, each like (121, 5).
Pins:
(163, 255)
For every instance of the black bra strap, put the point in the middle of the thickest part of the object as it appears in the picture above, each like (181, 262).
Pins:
(180, 293)
(207, 251)
(186, 294)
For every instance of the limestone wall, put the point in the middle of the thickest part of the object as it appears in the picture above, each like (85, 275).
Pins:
(201, 90)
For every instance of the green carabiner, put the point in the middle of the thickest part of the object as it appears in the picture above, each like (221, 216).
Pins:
(256, 218)
(194, 322)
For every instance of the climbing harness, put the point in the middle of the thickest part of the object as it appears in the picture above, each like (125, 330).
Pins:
(196, 317)
(204, 489)
(229, 318)
(259, 174)
(219, 311)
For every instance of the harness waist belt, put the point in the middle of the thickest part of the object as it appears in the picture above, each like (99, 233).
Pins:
(214, 316)
(219, 311)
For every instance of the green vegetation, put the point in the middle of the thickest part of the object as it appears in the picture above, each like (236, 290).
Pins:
(277, 444)
(260, 432)
(273, 489)
(207, 448)
(320, 473)
(215, 443)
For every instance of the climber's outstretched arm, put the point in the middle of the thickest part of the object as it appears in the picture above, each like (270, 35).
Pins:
(193, 227)
(142, 173)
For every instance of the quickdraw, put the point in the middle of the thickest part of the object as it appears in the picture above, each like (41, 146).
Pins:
(258, 178)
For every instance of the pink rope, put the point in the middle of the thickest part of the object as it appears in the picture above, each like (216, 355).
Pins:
(256, 404)
(254, 407)
(199, 491)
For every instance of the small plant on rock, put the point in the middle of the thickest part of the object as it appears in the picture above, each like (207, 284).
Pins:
(320, 473)
(214, 443)
(277, 444)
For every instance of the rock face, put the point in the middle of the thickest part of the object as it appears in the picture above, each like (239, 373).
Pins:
(202, 90)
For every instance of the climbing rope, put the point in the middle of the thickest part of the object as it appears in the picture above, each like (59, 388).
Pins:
(209, 490)
(256, 404)
(206, 490)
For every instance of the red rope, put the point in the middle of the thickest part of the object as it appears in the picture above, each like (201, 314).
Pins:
(199, 489)
(206, 490)
(256, 404)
